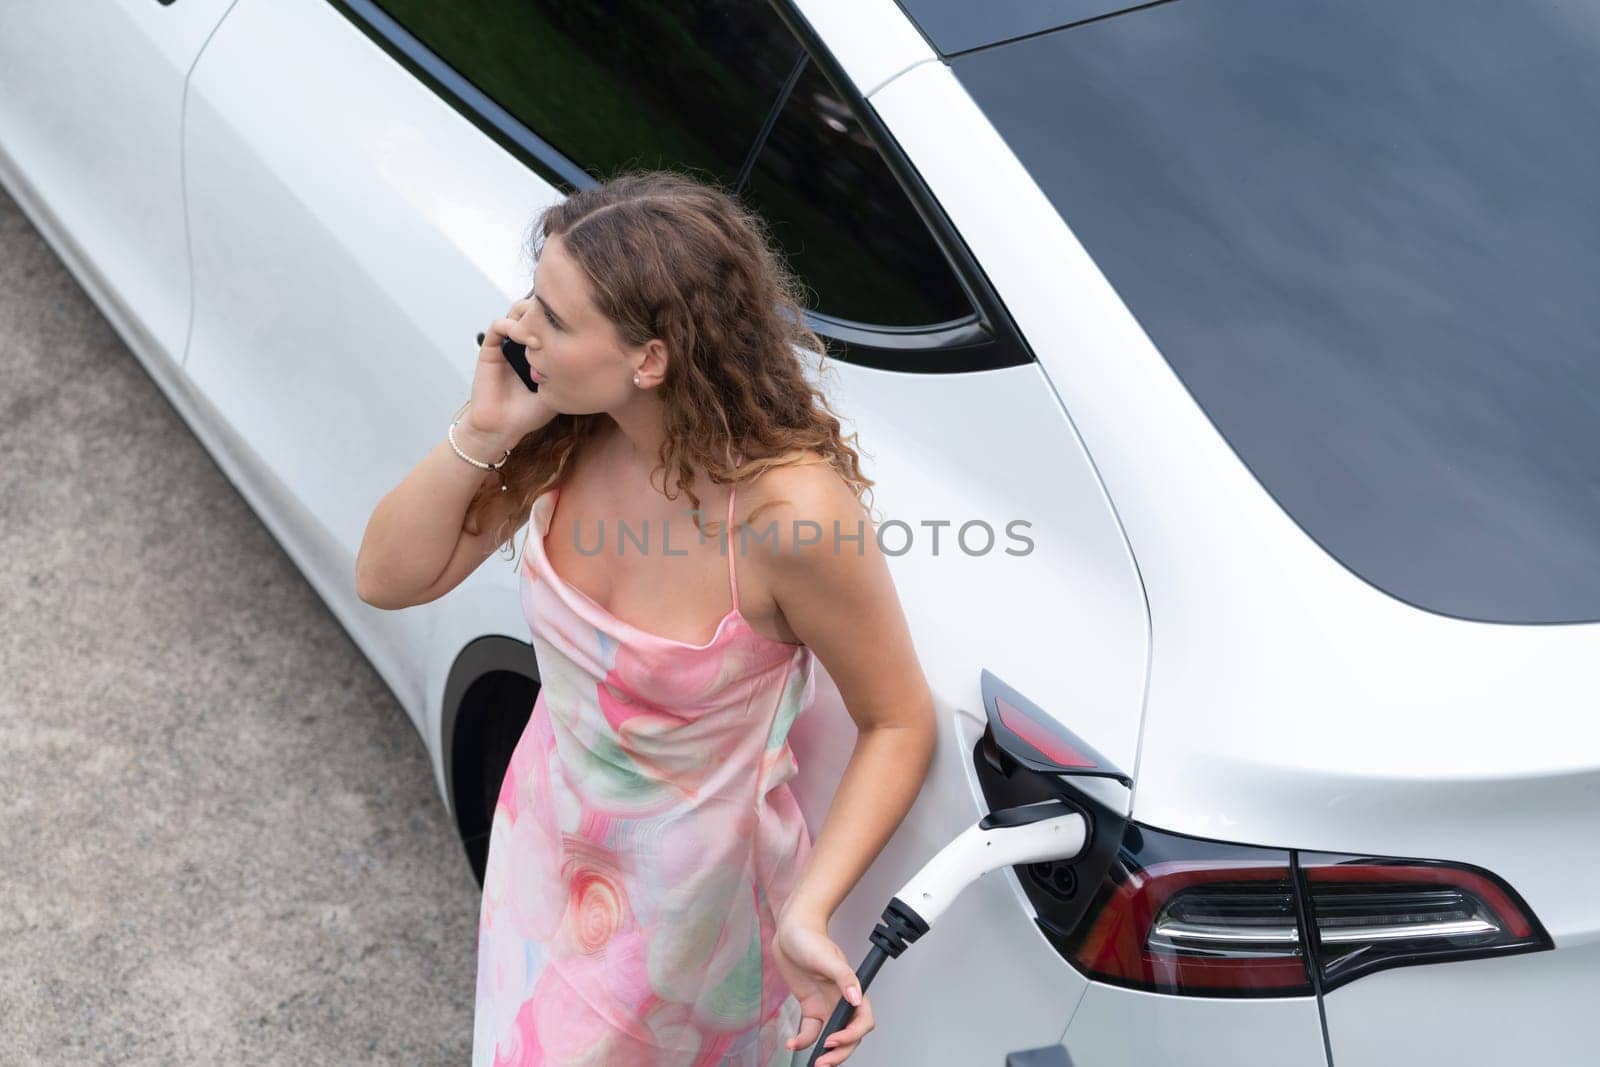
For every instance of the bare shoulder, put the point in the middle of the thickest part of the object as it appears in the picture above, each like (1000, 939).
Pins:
(781, 504)
(814, 550)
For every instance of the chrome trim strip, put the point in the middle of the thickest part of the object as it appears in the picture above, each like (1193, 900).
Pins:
(1406, 931)
(1210, 934)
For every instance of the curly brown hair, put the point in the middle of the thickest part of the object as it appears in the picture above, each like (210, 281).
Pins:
(674, 257)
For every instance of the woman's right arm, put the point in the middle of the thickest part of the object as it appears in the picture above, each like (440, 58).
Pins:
(416, 547)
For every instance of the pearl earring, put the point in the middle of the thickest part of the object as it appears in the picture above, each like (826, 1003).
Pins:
(635, 379)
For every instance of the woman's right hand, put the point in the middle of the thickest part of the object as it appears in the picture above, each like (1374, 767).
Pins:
(503, 407)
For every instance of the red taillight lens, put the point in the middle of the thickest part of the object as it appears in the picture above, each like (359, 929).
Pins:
(1178, 914)
(1371, 913)
(1170, 913)
(1187, 926)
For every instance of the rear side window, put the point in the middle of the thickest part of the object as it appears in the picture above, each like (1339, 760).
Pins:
(726, 91)
(685, 84)
(844, 221)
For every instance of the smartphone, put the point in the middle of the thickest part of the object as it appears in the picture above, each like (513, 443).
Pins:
(516, 355)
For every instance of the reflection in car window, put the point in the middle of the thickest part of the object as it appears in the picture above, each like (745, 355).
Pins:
(1366, 235)
(845, 223)
(678, 84)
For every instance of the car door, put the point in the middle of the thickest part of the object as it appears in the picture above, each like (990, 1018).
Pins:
(91, 102)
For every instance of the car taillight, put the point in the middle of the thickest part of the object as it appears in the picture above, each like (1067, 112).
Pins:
(1176, 914)
(1368, 913)
(1170, 913)
(1199, 931)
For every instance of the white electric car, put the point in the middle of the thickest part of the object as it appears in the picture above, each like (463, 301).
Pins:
(1275, 323)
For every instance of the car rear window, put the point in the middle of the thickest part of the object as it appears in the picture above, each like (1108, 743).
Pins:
(1366, 235)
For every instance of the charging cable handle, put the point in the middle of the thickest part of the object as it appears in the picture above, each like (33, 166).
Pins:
(1028, 833)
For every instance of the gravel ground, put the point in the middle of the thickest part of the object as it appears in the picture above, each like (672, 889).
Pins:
(219, 836)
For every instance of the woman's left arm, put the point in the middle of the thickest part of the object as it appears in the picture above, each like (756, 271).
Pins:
(839, 599)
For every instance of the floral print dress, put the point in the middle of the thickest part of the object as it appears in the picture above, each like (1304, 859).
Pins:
(644, 840)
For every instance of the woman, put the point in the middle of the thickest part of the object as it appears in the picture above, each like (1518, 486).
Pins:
(652, 895)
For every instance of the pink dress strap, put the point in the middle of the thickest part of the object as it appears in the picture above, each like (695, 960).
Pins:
(733, 578)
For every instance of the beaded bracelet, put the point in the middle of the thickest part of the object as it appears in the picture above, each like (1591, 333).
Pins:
(477, 462)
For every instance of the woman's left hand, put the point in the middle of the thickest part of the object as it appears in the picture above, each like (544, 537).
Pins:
(818, 974)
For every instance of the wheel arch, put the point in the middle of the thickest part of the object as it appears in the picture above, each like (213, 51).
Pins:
(488, 699)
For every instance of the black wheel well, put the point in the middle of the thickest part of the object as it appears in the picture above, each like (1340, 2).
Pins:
(488, 700)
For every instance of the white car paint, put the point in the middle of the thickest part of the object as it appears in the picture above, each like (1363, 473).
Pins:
(91, 108)
(1291, 704)
(343, 270)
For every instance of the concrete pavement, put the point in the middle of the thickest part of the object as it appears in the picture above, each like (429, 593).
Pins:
(219, 836)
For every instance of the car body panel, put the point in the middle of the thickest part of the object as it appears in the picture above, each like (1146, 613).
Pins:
(1115, 1027)
(410, 218)
(1533, 1008)
(1291, 704)
(107, 179)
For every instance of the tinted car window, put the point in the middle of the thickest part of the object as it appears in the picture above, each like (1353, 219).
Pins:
(681, 84)
(1366, 235)
(845, 223)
